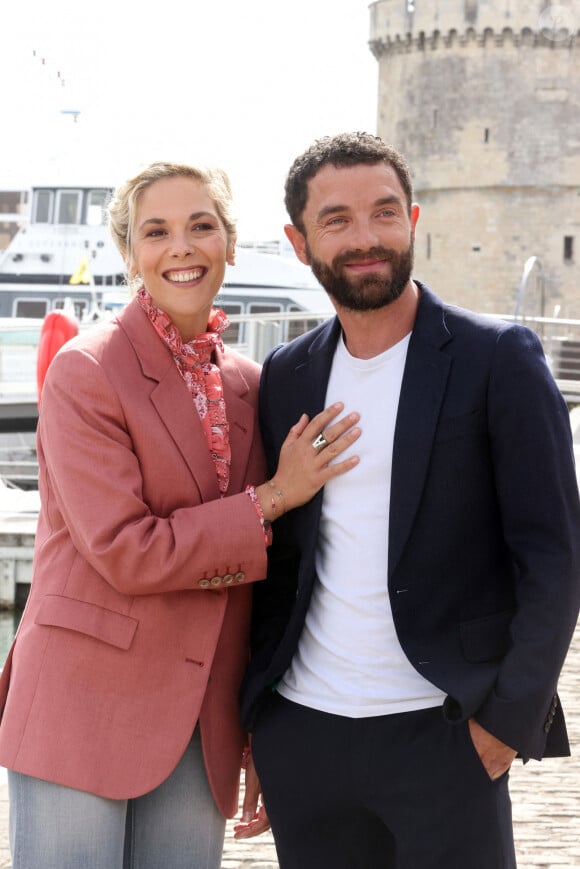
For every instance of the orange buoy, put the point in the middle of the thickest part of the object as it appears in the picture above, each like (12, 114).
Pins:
(57, 329)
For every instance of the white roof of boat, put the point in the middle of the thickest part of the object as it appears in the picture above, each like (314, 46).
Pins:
(269, 270)
(72, 184)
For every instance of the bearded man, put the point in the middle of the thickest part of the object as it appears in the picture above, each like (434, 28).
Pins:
(408, 640)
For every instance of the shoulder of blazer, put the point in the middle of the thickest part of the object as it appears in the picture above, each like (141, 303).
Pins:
(115, 345)
(439, 322)
(240, 373)
(154, 357)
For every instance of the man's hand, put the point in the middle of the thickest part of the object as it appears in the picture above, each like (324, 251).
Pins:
(496, 756)
(254, 818)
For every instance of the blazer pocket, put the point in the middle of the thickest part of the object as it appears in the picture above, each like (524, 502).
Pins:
(465, 425)
(487, 638)
(95, 621)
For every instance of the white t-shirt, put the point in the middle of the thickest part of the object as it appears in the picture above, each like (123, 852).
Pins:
(349, 661)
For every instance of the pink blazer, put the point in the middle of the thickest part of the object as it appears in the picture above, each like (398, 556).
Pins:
(137, 622)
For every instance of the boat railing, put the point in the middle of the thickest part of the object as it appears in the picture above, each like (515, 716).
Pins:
(255, 334)
(19, 339)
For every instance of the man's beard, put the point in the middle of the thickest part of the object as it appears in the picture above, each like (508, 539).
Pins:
(365, 292)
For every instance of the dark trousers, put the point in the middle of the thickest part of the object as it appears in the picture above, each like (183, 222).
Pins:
(404, 791)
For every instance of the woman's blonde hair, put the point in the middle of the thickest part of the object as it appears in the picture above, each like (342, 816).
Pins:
(123, 205)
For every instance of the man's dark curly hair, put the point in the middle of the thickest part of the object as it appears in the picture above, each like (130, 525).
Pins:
(344, 149)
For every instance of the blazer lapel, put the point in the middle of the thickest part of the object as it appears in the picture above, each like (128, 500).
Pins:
(422, 393)
(171, 399)
(309, 395)
(241, 418)
(313, 371)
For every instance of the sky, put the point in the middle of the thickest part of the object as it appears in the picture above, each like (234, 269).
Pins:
(243, 84)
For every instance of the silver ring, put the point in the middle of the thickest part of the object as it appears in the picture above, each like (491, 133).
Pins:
(320, 442)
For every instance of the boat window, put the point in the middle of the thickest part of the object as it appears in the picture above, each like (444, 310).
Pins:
(257, 308)
(80, 306)
(232, 334)
(299, 327)
(68, 206)
(264, 334)
(96, 214)
(42, 210)
(30, 308)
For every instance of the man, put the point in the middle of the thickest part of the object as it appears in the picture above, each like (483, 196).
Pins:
(417, 613)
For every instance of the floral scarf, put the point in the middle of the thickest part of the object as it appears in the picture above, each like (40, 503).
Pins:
(202, 378)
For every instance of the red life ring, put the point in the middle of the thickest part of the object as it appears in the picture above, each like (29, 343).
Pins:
(57, 329)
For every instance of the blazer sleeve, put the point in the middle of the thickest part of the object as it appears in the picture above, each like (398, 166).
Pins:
(92, 487)
(537, 491)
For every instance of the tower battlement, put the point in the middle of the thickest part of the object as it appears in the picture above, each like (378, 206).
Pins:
(437, 39)
(432, 23)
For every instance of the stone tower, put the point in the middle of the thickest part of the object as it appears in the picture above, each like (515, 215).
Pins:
(483, 99)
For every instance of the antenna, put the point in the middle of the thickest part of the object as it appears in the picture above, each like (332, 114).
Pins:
(74, 112)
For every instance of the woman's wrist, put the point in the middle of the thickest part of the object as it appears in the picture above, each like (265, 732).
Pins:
(264, 522)
(271, 498)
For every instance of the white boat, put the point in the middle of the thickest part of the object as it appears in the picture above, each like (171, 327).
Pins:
(18, 508)
(66, 239)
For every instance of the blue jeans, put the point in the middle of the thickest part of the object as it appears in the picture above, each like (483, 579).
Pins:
(175, 826)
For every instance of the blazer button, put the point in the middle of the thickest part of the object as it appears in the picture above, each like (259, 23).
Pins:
(216, 580)
(204, 583)
(228, 578)
(240, 576)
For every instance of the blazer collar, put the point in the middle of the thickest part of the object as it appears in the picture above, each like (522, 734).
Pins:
(241, 414)
(422, 392)
(311, 369)
(172, 401)
(314, 368)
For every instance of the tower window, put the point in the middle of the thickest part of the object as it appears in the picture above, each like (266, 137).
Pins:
(568, 248)
(428, 245)
(486, 135)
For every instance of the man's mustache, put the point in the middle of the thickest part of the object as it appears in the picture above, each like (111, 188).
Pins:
(373, 253)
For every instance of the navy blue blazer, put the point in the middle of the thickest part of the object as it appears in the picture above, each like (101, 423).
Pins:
(484, 536)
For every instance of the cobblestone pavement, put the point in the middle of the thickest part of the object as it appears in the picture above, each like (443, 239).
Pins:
(546, 800)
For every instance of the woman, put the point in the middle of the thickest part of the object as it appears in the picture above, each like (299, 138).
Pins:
(120, 724)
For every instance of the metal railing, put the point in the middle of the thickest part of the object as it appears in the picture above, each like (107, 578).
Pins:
(256, 334)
